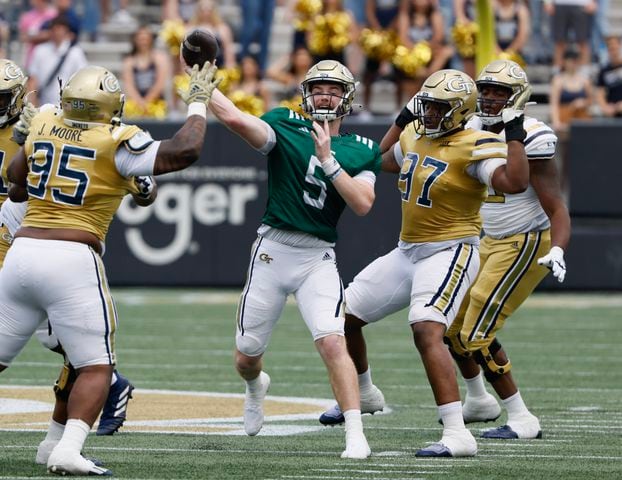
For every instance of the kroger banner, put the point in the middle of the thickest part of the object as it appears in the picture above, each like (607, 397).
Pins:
(201, 227)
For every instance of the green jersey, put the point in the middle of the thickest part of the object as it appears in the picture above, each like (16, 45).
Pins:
(300, 197)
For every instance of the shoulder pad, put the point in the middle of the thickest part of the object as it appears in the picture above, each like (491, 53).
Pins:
(139, 142)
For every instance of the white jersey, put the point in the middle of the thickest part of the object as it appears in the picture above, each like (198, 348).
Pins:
(508, 214)
(12, 215)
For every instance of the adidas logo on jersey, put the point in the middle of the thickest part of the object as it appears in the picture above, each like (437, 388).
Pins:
(327, 256)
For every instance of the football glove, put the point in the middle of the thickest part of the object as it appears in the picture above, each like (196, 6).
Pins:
(513, 124)
(201, 86)
(555, 261)
(22, 127)
(407, 114)
(523, 98)
(145, 186)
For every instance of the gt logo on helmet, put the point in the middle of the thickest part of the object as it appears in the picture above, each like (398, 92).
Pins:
(12, 71)
(460, 85)
(111, 84)
(516, 71)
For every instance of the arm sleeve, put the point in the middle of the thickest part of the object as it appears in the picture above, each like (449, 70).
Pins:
(483, 170)
(270, 143)
(130, 162)
(397, 153)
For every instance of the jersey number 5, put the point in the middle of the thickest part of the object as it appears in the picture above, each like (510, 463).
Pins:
(41, 163)
(318, 202)
(406, 177)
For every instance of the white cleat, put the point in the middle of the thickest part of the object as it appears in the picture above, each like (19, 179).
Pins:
(453, 444)
(253, 405)
(68, 462)
(525, 426)
(357, 447)
(372, 401)
(44, 451)
(481, 409)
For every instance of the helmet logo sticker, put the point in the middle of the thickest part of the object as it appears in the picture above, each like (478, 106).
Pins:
(111, 84)
(459, 84)
(12, 71)
(517, 72)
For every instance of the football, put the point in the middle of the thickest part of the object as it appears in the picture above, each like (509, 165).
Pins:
(199, 46)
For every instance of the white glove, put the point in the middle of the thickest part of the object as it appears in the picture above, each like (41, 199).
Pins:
(22, 127)
(555, 261)
(145, 186)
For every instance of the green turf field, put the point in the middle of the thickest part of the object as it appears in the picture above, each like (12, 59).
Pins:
(176, 347)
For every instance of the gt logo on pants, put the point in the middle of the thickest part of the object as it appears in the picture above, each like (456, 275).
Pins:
(264, 257)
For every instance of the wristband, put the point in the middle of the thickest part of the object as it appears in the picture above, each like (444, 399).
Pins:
(330, 167)
(404, 118)
(197, 108)
(335, 175)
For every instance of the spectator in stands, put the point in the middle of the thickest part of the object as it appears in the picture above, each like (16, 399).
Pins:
(179, 9)
(421, 21)
(206, 16)
(571, 94)
(145, 73)
(381, 15)
(465, 13)
(609, 82)
(290, 71)
(121, 15)
(257, 18)
(512, 25)
(54, 61)
(572, 21)
(30, 23)
(251, 83)
(4, 36)
(64, 8)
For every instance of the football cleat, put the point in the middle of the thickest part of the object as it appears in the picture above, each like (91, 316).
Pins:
(372, 401)
(253, 405)
(67, 462)
(357, 447)
(45, 449)
(481, 409)
(455, 444)
(115, 409)
(526, 426)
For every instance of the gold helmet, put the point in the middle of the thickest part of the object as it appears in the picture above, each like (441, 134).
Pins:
(12, 90)
(328, 71)
(92, 97)
(506, 74)
(455, 94)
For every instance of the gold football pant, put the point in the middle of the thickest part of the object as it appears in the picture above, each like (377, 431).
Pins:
(509, 272)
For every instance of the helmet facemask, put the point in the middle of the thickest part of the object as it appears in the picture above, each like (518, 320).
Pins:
(490, 110)
(12, 90)
(508, 75)
(435, 116)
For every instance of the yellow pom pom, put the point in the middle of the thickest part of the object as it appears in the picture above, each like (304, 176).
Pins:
(172, 34)
(514, 56)
(464, 36)
(410, 60)
(248, 103)
(230, 77)
(294, 103)
(330, 33)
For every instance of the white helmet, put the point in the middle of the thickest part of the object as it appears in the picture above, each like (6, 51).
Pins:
(12, 90)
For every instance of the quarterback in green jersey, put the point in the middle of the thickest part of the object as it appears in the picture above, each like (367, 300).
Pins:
(313, 173)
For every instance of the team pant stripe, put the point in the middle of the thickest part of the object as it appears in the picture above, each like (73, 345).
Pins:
(495, 302)
(341, 295)
(107, 307)
(465, 269)
(447, 277)
(247, 286)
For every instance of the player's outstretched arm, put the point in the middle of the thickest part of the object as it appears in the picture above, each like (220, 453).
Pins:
(184, 148)
(252, 129)
(358, 194)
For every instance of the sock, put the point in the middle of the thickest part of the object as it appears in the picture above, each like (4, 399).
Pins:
(253, 385)
(475, 386)
(114, 378)
(451, 414)
(515, 406)
(55, 431)
(365, 382)
(74, 435)
(353, 420)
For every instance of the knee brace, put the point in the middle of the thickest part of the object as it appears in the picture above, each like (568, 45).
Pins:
(485, 358)
(456, 349)
(65, 382)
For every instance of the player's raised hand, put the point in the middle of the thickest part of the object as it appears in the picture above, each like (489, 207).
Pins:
(321, 138)
(22, 127)
(555, 261)
(202, 84)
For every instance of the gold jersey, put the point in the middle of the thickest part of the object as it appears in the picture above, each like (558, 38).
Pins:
(440, 198)
(8, 148)
(72, 178)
